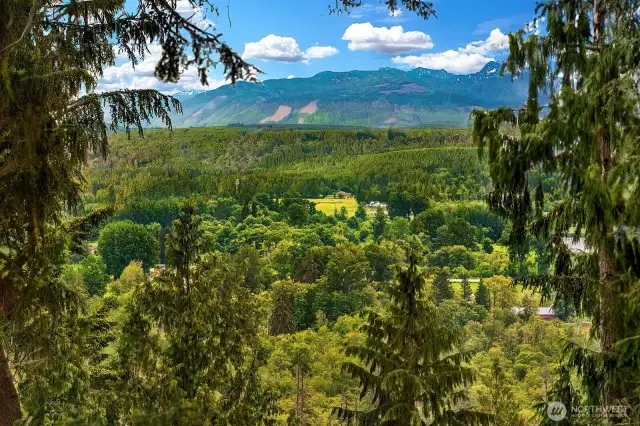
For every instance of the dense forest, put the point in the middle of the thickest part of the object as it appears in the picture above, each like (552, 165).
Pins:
(203, 206)
(189, 276)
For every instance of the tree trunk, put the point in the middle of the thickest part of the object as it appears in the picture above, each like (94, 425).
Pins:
(298, 393)
(607, 291)
(302, 409)
(9, 399)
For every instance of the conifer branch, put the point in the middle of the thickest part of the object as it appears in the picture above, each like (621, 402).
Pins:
(32, 13)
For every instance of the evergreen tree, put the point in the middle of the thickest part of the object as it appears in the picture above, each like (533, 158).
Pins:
(587, 137)
(184, 242)
(482, 296)
(399, 203)
(298, 214)
(442, 285)
(193, 333)
(466, 288)
(251, 264)
(411, 366)
(379, 223)
(301, 360)
(361, 212)
(312, 266)
(281, 320)
(497, 396)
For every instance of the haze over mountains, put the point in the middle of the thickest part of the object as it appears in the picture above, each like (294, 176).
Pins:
(383, 98)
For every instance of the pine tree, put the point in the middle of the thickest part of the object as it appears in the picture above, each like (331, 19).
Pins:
(183, 245)
(442, 285)
(588, 139)
(482, 296)
(411, 365)
(281, 320)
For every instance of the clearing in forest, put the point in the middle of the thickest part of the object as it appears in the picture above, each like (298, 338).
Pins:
(330, 205)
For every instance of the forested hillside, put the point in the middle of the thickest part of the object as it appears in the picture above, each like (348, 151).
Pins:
(424, 163)
(309, 281)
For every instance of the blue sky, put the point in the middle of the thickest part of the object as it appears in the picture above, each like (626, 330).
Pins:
(286, 39)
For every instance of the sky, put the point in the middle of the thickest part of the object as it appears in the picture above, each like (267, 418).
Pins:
(299, 38)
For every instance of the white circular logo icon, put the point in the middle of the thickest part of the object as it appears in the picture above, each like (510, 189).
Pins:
(557, 411)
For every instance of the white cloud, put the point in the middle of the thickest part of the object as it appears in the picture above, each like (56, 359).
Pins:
(196, 14)
(452, 61)
(396, 13)
(289, 77)
(319, 52)
(385, 40)
(274, 48)
(284, 49)
(495, 42)
(465, 60)
(124, 76)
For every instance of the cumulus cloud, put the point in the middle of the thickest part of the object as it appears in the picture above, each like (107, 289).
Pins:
(124, 76)
(289, 77)
(495, 42)
(274, 48)
(391, 41)
(468, 59)
(319, 52)
(284, 49)
(453, 61)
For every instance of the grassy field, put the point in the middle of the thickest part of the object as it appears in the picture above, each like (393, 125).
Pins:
(330, 205)
(457, 286)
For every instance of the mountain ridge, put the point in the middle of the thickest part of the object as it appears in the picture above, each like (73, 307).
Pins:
(387, 97)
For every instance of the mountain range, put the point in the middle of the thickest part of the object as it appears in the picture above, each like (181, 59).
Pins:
(387, 97)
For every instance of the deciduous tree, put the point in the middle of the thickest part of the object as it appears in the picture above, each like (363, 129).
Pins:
(122, 242)
(94, 273)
